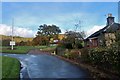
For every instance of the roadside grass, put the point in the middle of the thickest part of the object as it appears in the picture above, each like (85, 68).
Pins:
(17, 49)
(0, 67)
(10, 67)
(23, 49)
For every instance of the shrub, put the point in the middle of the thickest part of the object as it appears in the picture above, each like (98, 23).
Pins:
(84, 57)
(79, 45)
(68, 45)
(107, 58)
(73, 54)
(60, 50)
(96, 55)
(6, 42)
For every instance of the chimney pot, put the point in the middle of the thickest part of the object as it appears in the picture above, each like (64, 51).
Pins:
(110, 19)
(109, 15)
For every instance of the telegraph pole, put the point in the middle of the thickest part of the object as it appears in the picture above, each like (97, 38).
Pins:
(12, 28)
(119, 12)
(12, 42)
(12, 31)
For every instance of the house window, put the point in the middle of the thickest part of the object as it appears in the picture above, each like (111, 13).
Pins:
(93, 42)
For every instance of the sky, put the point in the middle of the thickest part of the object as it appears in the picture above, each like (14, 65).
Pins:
(28, 16)
(60, 0)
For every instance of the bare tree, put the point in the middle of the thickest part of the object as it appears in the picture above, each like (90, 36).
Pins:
(79, 26)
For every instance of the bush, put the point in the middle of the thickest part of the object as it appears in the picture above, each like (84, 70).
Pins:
(72, 54)
(84, 55)
(96, 55)
(68, 45)
(60, 50)
(107, 58)
(40, 40)
(6, 42)
(79, 45)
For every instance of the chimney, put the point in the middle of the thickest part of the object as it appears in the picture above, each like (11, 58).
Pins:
(110, 19)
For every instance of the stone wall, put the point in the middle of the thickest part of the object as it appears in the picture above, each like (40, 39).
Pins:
(109, 38)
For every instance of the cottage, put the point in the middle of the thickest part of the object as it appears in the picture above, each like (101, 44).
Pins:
(105, 36)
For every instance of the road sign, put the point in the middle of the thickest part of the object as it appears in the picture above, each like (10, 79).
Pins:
(12, 42)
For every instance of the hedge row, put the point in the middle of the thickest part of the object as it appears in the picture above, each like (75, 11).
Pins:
(107, 58)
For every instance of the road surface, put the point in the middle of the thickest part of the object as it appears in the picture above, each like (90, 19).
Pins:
(47, 66)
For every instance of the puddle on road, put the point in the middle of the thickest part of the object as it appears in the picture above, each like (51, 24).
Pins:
(26, 59)
(35, 64)
(32, 55)
(14, 54)
(5, 55)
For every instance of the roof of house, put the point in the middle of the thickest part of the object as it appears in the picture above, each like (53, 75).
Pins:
(107, 29)
(113, 28)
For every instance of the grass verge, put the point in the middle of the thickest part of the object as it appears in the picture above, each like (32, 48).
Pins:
(24, 49)
(17, 49)
(10, 68)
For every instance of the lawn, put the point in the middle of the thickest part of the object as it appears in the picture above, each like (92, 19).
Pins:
(0, 68)
(17, 49)
(10, 67)
(23, 49)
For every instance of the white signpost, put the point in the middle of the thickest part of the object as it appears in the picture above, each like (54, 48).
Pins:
(12, 43)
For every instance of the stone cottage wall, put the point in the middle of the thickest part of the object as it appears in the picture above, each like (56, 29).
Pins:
(109, 38)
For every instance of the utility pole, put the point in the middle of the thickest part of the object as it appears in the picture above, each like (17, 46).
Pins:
(12, 31)
(12, 28)
(12, 42)
(119, 12)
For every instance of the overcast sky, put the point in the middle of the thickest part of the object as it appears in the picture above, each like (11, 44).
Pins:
(29, 15)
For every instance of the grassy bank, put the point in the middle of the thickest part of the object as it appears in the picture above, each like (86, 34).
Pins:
(24, 49)
(10, 67)
(17, 49)
(0, 68)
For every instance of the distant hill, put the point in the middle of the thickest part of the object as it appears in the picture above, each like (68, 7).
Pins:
(16, 38)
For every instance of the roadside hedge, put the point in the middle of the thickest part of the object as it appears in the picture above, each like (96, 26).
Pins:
(107, 58)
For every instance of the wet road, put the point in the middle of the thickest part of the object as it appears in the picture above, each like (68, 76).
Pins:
(47, 66)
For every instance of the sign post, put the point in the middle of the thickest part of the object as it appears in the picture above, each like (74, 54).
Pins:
(12, 42)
